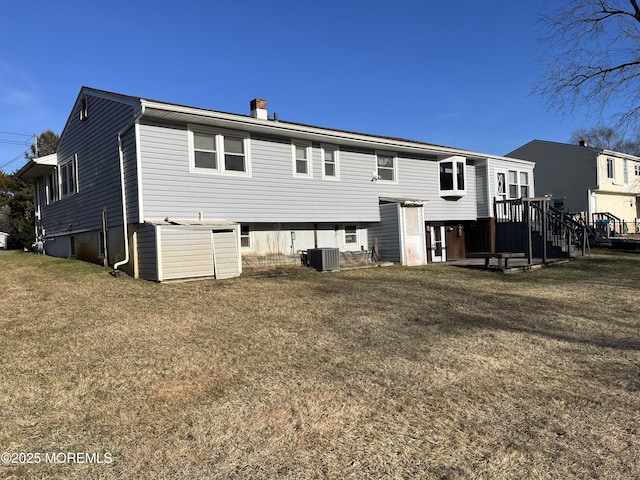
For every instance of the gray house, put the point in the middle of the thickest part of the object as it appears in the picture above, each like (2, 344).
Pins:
(166, 191)
(591, 182)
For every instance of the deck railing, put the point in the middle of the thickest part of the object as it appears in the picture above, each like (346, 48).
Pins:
(538, 217)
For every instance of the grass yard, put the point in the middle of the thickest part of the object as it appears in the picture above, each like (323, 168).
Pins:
(432, 372)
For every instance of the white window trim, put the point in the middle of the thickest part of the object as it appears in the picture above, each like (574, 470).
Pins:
(636, 169)
(625, 171)
(219, 135)
(520, 184)
(394, 157)
(344, 235)
(336, 162)
(613, 168)
(307, 146)
(51, 187)
(455, 191)
(249, 236)
(73, 161)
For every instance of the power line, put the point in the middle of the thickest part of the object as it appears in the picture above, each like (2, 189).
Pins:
(17, 134)
(13, 159)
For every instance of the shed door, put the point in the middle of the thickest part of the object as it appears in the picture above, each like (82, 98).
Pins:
(225, 254)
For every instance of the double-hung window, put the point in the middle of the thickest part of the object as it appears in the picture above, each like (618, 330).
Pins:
(452, 176)
(350, 235)
(636, 169)
(524, 184)
(625, 171)
(386, 167)
(245, 236)
(513, 184)
(67, 178)
(301, 152)
(611, 168)
(329, 162)
(219, 152)
(51, 187)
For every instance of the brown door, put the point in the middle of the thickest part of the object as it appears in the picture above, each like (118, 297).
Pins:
(454, 238)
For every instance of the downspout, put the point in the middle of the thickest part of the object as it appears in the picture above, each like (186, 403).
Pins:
(124, 200)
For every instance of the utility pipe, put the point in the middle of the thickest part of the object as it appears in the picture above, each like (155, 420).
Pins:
(124, 200)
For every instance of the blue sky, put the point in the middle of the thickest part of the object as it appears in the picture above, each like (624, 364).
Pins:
(451, 73)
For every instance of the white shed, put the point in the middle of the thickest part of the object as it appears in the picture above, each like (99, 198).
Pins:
(185, 250)
(4, 241)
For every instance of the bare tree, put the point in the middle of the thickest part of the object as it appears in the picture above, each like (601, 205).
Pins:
(592, 58)
(607, 138)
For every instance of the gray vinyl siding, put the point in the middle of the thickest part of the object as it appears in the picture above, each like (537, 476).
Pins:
(147, 252)
(273, 194)
(387, 232)
(562, 170)
(96, 144)
(129, 154)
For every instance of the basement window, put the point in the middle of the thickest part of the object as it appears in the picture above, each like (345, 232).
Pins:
(452, 176)
(245, 236)
(350, 235)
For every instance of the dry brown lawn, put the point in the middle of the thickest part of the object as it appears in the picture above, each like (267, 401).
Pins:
(434, 372)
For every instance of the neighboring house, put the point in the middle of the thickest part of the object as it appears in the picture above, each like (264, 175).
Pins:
(4, 241)
(592, 182)
(167, 191)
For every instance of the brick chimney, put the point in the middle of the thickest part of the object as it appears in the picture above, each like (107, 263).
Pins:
(583, 143)
(259, 108)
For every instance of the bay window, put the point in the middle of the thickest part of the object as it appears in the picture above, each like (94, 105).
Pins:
(452, 173)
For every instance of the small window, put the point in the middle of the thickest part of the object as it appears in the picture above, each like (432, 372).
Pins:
(625, 171)
(350, 235)
(636, 169)
(84, 109)
(501, 183)
(513, 184)
(452, 176)
(329, 162)
(301, 159)
(386, 167)
(524, 185)
(51, 187)
(611, 171)
(245, 236)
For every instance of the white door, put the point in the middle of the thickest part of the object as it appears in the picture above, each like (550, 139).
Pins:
(438, 246)
(413, 244)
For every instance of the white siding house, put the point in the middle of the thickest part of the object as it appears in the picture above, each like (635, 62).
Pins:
(147, 186)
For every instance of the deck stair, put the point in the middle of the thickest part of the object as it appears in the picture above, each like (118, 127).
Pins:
(533, 226)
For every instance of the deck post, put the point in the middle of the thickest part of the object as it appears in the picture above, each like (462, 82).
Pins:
(527, 212)
(544, 231)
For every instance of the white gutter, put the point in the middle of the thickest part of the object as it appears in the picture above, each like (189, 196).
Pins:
(124, 199)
